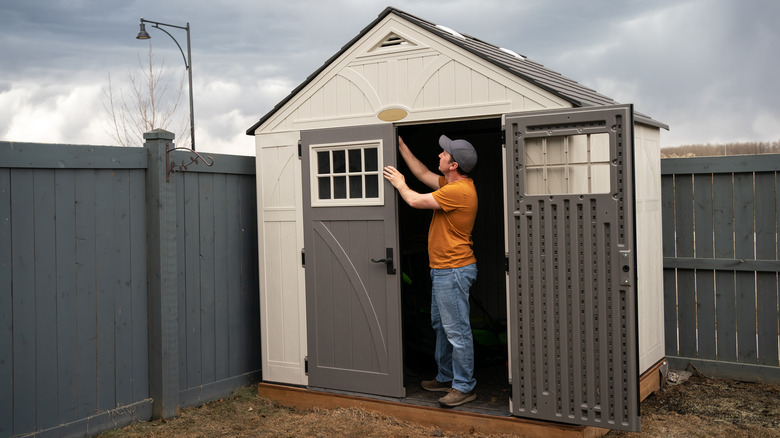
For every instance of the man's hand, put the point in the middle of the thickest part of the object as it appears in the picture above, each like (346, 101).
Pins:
(395, 177)
(414, 199)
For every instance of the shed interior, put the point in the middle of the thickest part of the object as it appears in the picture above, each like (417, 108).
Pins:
(488, 298)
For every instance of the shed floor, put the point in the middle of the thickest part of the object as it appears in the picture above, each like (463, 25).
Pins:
(492, 391)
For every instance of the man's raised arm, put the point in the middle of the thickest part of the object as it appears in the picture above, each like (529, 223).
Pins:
(419, 170)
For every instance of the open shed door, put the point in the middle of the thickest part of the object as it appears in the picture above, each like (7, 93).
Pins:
(572, 278)
(353, 304)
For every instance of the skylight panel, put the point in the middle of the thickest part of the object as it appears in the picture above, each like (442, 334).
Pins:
(512, 53)
(450, 31)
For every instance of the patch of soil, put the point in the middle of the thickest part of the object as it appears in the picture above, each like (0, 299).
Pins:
(707, 407)
(699, 407)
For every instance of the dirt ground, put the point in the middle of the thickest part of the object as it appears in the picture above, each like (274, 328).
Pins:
(698, 407)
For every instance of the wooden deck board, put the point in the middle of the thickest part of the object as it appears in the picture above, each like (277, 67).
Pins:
(447, 419)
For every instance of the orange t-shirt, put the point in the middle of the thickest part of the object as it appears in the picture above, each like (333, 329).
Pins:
(449, 236)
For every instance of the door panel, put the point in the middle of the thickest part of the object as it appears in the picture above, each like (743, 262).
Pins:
(352, 302)
(572, 295)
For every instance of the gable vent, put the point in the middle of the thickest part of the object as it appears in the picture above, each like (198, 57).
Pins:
(393, 40)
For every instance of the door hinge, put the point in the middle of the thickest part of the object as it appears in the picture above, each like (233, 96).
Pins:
(306, 365)
(506, 263)
(303, 258)
(503, 137)
(299, 149)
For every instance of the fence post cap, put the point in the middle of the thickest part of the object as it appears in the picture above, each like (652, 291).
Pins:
(158, 134)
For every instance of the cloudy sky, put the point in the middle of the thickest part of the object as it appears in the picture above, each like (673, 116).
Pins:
(707, 68)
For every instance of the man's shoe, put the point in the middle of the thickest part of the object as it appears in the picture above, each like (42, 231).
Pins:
(457, 398)
(436, 386)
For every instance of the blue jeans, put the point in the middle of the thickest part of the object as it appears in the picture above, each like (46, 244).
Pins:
(450, 320)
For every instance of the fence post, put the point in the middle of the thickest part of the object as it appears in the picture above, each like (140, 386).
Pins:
(162, 289)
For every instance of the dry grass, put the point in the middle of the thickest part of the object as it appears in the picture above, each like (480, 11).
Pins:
(700, 407)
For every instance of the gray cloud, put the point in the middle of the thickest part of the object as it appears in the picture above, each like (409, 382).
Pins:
(706, 68)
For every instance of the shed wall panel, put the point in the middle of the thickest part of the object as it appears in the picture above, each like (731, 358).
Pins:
(647, 168)
(280, 237)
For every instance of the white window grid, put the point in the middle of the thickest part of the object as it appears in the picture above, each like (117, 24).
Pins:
(568, 164)
(335, 177)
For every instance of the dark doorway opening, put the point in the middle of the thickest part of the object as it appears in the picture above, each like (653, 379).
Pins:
(488, 298)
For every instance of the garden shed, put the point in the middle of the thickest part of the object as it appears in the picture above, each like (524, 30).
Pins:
(567, 309)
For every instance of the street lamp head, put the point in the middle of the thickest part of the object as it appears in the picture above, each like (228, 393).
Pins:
(142, 35)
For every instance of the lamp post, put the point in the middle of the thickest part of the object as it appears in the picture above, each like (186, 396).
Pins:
(142, 35)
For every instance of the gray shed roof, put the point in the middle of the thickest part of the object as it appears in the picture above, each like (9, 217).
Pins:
(535, 73)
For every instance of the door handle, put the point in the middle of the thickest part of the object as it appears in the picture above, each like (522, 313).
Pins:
(388, 260)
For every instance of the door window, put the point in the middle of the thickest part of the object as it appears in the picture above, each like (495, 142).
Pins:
(346, 174)
(567, 164)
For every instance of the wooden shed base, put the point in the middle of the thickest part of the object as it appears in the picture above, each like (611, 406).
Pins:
(447, 419)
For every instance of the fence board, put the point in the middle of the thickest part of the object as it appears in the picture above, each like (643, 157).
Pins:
(45, 298)
(67, 304)
(181, 272)
(745, 281)
(249, 263)
(221, 310)
(766, 283)
(6, 306)
(191, 279)
(236, 342)
(670, 275)
(206, 276)
(122, 291)
(23, 298)
(85, 290)
(139, 318)
(705, 279)
(725, 296)
(686, 279)
(105, 281)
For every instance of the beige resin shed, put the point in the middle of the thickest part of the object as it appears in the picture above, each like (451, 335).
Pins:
(567, 310)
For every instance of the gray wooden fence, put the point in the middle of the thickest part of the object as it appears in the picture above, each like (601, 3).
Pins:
(122, 296)
(720, 244)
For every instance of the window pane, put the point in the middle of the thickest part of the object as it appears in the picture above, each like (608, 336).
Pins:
(324, 187)
(556, 150)
(578, 148)
(323, 162)
(600, 178)
(354, 160)
(371, 162)
(599, 146)
(339, 186)
(372, 186)
(339, 162)
(534, 152)
(355, 186)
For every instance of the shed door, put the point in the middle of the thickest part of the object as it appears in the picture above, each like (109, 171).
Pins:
(572, 279)
(351, 246)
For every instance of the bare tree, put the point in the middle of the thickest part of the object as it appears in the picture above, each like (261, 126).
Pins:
(145, 107)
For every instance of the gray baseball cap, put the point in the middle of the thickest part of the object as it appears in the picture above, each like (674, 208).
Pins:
(462, 152)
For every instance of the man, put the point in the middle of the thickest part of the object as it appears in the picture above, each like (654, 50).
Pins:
(452, 261)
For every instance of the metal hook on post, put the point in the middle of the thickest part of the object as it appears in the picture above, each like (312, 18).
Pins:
(181, 167)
